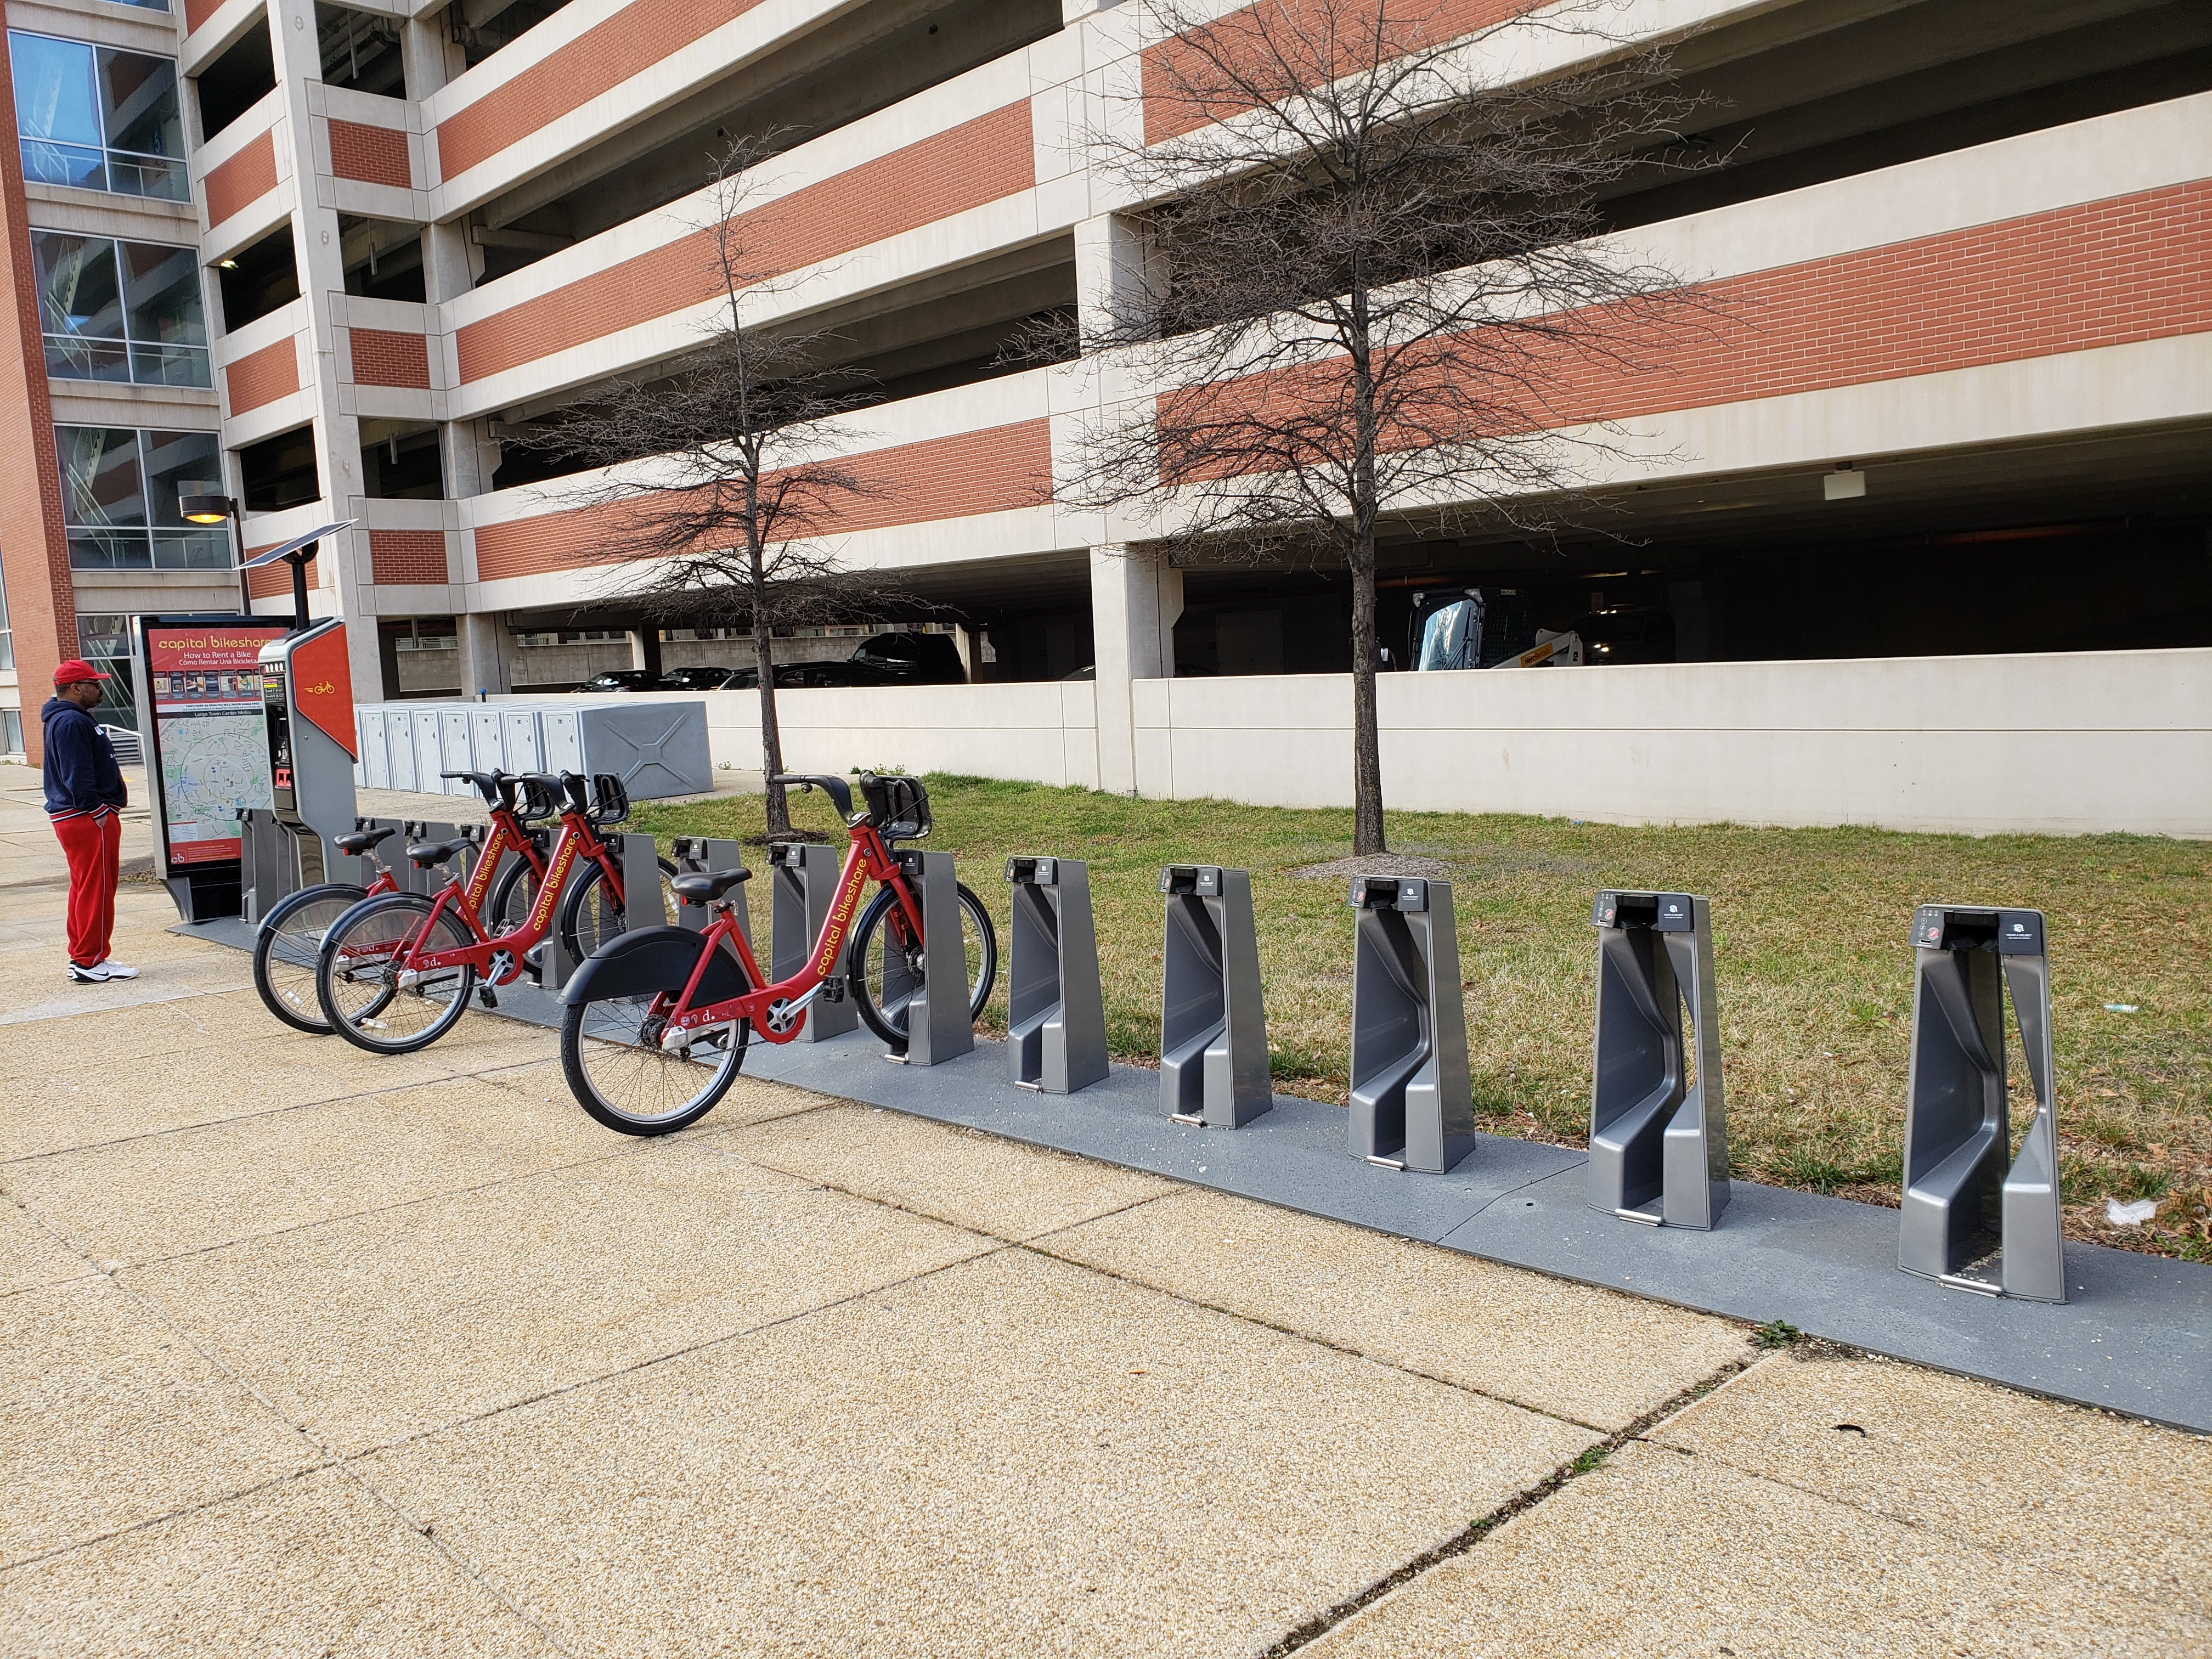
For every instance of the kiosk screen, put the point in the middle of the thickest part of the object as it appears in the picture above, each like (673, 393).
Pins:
(210, 736)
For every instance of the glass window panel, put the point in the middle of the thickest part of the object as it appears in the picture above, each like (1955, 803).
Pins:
(100, 481)
(87, 360)
(11, 722)
(57, 93)
(180, 464)
(139, 175)
(198, 550)
(78, 290)
(102, 634)
(109, 550)
(162, 285)
(170, 366)
(140, 103)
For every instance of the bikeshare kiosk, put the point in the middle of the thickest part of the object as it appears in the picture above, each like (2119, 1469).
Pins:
(1960, 1201)
(200, 723)
(307, 695)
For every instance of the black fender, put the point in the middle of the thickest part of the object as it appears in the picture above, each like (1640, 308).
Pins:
(650, 959)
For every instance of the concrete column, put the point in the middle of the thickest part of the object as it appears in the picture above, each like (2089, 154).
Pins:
(1114, 263)
(1135, 597)
(486, 653)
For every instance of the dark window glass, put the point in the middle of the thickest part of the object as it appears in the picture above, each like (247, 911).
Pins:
(98, 118)
(149, 325)
(115, 482)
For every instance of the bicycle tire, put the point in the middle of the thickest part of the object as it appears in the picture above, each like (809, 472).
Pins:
(579, 942)
(591, 1030)
(890, 1026)
(362, 929)
(286, 949)
(501, 915)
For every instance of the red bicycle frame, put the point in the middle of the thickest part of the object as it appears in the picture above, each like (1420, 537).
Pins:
(577, 839)
(867, 859)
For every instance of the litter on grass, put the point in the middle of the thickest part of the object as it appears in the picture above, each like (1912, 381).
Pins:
(2129, 1215)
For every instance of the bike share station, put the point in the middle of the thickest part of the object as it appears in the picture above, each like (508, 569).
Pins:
(1972, 1276)
(247, 724)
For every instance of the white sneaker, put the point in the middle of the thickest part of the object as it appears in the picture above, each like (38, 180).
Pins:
(95, 975)
(115, 969)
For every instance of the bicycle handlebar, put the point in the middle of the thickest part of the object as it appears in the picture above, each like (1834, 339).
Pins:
(840, 793)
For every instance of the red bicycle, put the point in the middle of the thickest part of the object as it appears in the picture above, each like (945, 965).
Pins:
(289, 941)
(290, 937)
(395, 972)
(655, 1025)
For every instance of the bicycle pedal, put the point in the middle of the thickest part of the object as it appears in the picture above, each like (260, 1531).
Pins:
(833, 990)
(484, 995)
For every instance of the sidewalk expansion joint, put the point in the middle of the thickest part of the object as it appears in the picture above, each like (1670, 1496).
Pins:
(1589, 1461)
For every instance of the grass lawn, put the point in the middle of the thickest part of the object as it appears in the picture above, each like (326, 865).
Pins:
(1815, 968)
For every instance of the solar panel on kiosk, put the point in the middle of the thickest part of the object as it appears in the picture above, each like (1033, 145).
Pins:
(297, 543)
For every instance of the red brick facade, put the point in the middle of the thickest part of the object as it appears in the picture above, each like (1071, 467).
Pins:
(374, 156)
(197, 12)
(383, 358)
(407, 556)
(242, 180)
(34, 551)
(599, 60)
(2105, 273)
(272, 580)
(989, 472)
(964, 166)
(264, 376)
(1180, 83)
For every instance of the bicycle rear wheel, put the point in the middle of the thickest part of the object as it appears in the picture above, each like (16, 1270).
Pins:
(591, 915)
(610, 1053)
(358, 976)
(881, 944)
(287, 945)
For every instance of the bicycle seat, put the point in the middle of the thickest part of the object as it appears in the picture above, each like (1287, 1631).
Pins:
(357, 841)
(706, 885)
(424, 854)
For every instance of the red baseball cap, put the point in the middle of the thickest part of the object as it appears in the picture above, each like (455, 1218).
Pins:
(76, 668)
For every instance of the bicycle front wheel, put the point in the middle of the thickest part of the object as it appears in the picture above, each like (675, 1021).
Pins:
(610, 1053)
(287, 945)
(884, 965)
(512, 897)
(366, 991)
(591, 915)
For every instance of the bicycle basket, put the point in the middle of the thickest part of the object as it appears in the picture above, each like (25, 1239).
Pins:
(900, 807)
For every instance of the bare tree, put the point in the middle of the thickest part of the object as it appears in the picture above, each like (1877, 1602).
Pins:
(1375, 283)
(737, 481)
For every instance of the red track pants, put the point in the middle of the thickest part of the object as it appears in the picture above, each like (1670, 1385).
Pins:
(93, 842)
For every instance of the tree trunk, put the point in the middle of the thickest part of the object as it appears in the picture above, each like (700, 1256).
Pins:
(1366, 734)
(779, 807)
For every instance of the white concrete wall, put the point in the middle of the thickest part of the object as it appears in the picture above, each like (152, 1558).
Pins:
(2058, 744)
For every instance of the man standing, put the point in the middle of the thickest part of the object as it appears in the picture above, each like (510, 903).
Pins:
(85, 796)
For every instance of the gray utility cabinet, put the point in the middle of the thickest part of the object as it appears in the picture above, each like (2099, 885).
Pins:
(1410, 1105)
(658, 749)
(1961, 1203)
(1055, 1013)
(1658, 1119)
(1213, 1018)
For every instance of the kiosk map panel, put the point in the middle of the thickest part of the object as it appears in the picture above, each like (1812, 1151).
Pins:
(210, 735)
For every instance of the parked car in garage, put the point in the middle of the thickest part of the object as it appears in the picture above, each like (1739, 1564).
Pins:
(625, 679)
(807, 675)
(916, 658)
(704, 676)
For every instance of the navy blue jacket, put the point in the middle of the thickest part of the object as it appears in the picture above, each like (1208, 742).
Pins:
(81, 774)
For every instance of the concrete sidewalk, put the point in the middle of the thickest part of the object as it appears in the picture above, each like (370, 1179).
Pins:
(309, 1352)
